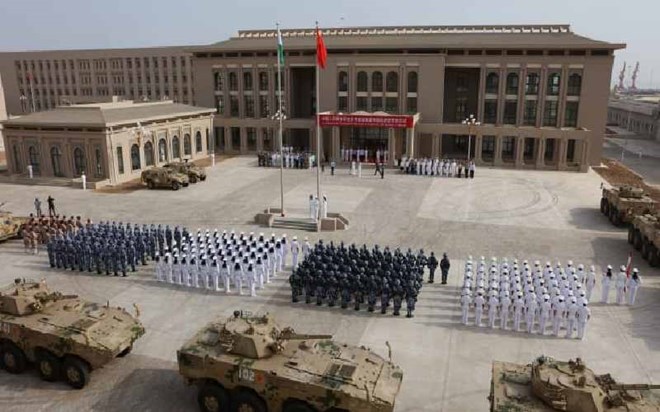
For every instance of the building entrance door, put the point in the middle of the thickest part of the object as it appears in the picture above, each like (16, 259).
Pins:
(370, 139)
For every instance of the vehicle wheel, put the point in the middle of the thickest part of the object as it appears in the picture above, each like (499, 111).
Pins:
(193, 179)
(76, 373)
(653, 256)
(125, 351)
(603, 205)
(637, 241)
(247, 402)
(175, 186)
(631, 235)
(297, 407)
(203, 178)
(613, 216)
(646, 246)
(49, 366)
(606, 208)
(150, 184)
(213, 398)
(13, 359)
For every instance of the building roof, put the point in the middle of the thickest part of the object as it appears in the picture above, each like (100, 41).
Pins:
(107, 114)
(417, 37)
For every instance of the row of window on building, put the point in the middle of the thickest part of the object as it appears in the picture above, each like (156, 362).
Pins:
(164, 153)
(117, 63)
(56, 161)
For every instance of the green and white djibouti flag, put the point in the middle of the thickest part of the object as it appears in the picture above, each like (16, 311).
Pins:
(280, 48)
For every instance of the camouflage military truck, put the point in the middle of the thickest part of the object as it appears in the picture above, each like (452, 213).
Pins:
(195, 174)
(164, 177)
(644, 235)
(10, 225)
(551, 385)
(621, 204)
(250, 363)
(66, 337)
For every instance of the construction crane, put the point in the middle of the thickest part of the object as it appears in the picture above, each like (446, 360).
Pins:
(622, 75)
(634, 77)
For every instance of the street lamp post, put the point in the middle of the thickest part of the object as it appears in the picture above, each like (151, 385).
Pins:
(470, 122)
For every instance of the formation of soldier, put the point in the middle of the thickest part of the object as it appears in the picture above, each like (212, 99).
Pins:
(626, 285)
(226, 261)
(290, 159)
(345, 276)
(437, 167)
(110, 247)
(39, 231)
(362, 155)
(544, 298)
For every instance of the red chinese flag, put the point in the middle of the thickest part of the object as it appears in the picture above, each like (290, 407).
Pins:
(321, 51)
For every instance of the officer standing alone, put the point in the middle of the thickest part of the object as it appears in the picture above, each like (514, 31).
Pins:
(444, 267)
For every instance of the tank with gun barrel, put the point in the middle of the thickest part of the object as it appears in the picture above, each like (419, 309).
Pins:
(249, 363)
(551, 385)
(10, 225)
(65, 336)
(621, 204)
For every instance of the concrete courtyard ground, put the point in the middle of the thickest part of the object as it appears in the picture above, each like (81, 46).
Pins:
(524, 214)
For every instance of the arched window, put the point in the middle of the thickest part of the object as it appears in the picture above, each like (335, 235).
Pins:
(342, 82)
(247, 81)
(233, 81)
(217, 78)
(56, 161)
(135, 157)
(176, 152)
(187, 149)
(377, 82)
(33, 155)
(149, 154)
(392, 82)
(78, 161)
(492, 83)
(198, 142)
(162, 150)
(263, 81)
(532, 84)
(553, 84)
(99, 162)
(512, 83)
(412, 82)
(362, 82)
(574, 84)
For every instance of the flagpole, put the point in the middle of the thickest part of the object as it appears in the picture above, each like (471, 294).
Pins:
(280, 120)
(318, 135)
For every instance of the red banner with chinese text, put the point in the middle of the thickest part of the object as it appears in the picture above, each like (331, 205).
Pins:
(362, 120)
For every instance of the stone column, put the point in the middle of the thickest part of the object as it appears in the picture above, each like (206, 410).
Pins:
(243, 147)
(391, 147)
(540, 155)
(227, 137)
(478, 147)
(336, 144)
(410, 142)
(435, 143)
(520, 149)
(561, 154)
(584, 163)
(260, 139)
(497, 156)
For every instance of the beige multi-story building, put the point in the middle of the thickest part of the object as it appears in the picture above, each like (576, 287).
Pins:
(112, 142)
(637, 114)
(540, 92)
(40, 80)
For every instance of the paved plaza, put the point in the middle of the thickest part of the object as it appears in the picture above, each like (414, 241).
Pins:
(515, 213)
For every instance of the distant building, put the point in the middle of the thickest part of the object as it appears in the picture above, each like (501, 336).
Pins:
(539, 91)
(107, 141)
(637, 114)
(41, 80)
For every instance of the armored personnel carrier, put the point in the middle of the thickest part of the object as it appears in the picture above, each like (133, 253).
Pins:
(621, 204)
(644, 235)
(66, 337)
(249, 363)
(164, 177)
(195, 174)
(10, 225)
(551, 385)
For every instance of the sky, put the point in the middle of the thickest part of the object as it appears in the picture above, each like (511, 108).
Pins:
(75, 24)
